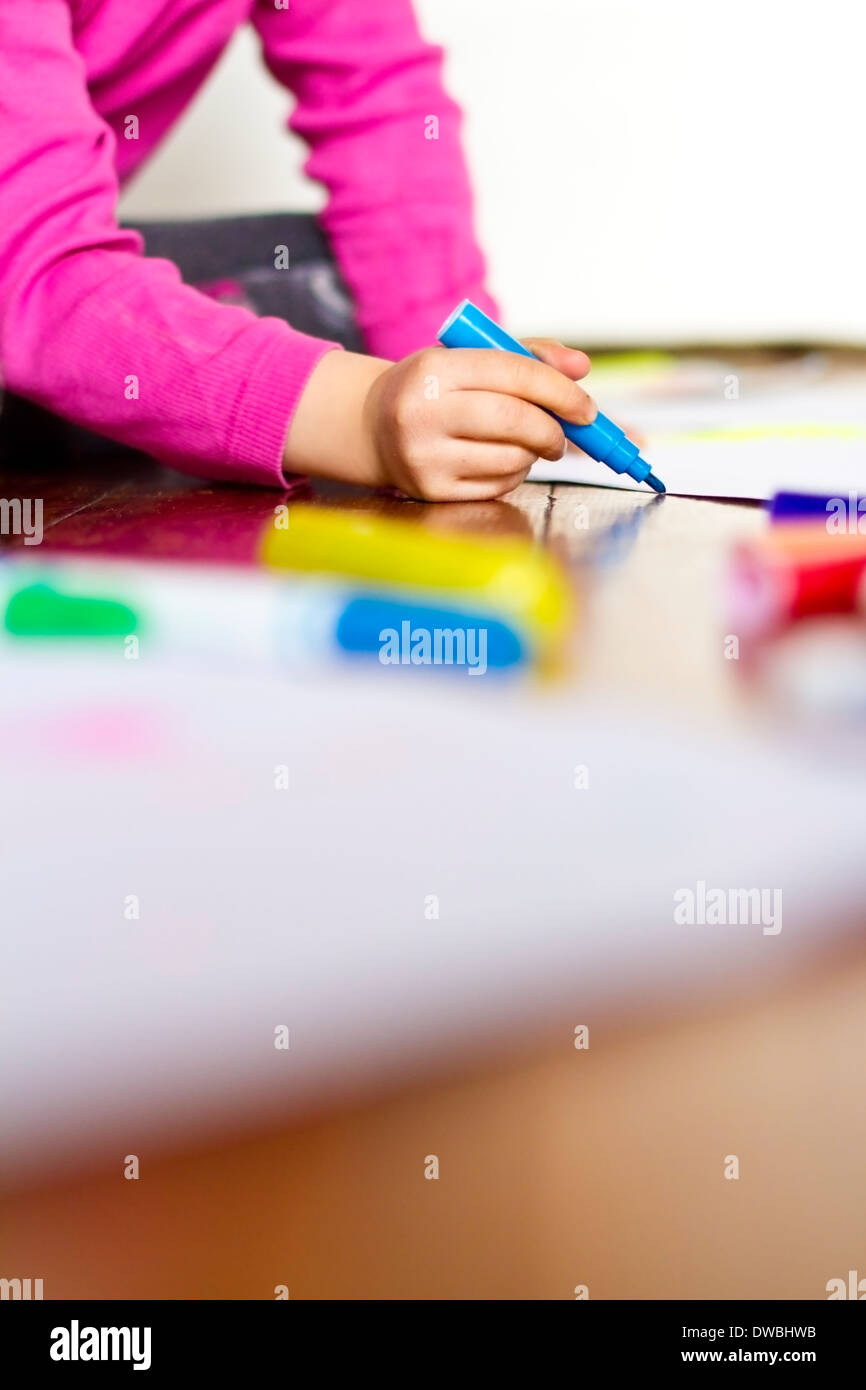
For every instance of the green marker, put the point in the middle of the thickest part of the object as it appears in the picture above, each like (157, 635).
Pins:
(38, 610)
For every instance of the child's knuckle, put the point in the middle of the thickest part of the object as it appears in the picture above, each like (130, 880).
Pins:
(526, 376)
(554, 440)
(507, 417)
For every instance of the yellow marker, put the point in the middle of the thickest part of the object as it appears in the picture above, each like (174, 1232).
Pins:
(510, 575)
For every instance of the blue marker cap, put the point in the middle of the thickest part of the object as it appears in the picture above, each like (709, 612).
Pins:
(469, 327)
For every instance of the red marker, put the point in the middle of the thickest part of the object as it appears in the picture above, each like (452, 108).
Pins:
(795, 572)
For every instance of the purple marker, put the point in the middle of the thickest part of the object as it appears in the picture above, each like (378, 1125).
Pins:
(840, 513)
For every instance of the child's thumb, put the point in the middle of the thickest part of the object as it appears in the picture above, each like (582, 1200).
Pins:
(570, 361)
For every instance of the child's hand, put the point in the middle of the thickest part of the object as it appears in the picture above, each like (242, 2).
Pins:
(468, 425)
(442, 425)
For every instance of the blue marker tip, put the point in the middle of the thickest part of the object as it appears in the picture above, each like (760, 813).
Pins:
(469, 326)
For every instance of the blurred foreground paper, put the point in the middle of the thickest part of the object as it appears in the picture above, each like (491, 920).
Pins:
(393, 871)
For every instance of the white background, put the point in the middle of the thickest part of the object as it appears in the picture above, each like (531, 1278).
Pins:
(647, 171)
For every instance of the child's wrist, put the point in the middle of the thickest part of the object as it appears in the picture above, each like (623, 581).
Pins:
(330, 433)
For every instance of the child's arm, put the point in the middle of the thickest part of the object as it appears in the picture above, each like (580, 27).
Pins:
(93, 330)
(438, 424)
(384, 141)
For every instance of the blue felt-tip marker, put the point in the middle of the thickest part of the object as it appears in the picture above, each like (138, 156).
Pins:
(469, 327)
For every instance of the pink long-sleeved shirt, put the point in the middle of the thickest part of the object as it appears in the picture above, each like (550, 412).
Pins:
(109, 338)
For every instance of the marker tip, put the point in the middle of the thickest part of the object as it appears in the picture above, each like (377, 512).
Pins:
(655, 483)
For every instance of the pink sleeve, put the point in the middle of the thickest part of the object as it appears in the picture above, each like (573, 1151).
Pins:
(384, 141)
(89, 327)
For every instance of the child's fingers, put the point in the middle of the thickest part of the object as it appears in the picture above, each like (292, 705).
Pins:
(483, 369)
(506, 419)
(485, 489)
(470, 459)
(466, 469)
(570, 361)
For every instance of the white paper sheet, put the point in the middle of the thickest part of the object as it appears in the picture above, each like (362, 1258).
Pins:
(751, 446)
